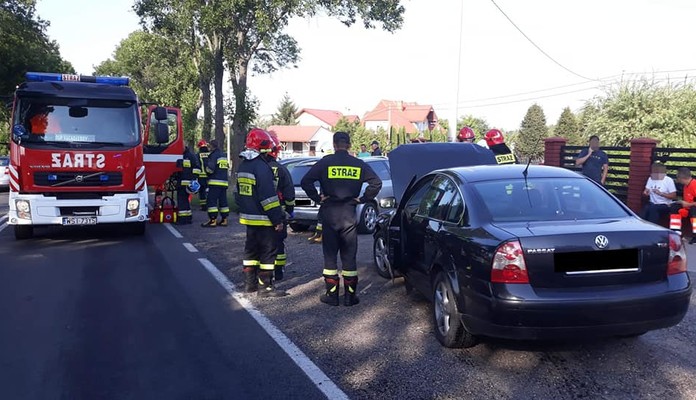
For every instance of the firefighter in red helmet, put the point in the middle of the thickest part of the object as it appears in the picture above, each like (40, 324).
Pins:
(261, 212)
(466, 134)
(286, 193)
(496, 143)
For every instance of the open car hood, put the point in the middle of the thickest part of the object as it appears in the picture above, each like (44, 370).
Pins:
(418, 159)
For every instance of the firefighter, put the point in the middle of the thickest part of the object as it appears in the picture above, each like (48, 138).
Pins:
(184, 187)
(203, 153)
(686, 207)
(216, 169)
(466, 134)
(261, 212)
(496, 142)
(341, 177)
(286, 193)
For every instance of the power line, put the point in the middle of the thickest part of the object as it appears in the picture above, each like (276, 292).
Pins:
(539, 48)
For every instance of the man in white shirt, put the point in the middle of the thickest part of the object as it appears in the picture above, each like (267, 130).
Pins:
(661, 190)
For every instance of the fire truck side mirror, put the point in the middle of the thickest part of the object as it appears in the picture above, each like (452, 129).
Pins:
(161, 133)
(19, 132)
(160, 113)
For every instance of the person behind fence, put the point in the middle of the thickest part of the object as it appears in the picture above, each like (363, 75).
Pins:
(685, 207)
(186, 185)
(661, 190)
(341, 177)
(218, 182)
(594, 161)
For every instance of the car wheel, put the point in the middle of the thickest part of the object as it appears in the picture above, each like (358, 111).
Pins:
(368, 219)
(23, 232)
(296, 227)
(380, 251)
(449, 329)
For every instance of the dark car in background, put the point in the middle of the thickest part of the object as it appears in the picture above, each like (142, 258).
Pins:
(307, 212)
(528, 252)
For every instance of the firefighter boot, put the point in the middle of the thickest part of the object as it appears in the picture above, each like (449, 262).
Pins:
(211, 223)
(350, 297)
(250, 281)
(281, 260)
(223, 222)
(266, 289)
(331, 295)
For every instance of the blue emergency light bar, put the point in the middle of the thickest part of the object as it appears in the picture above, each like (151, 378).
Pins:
(54, 77)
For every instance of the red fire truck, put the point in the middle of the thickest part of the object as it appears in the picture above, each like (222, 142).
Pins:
(79, 156)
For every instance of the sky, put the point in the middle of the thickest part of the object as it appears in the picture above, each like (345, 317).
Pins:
(462, 57)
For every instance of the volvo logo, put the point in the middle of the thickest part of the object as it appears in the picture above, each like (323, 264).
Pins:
(79, 178)
(601, 241)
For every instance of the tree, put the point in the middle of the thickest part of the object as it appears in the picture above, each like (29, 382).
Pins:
(479, 125)
(250, 37)
(160, 73)
(644, 108)
(285, 115)
(533, 131)
(567, 127)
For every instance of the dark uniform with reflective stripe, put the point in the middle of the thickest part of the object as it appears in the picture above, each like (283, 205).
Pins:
(261, 212)
(189, 165)
(503, 154)
(286, 193)
(203, 154)
(217, 186)
(341, 176)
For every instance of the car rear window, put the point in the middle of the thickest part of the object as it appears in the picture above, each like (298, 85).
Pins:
(381, 169)
(544, 199)
(298, 172)
(4, 162)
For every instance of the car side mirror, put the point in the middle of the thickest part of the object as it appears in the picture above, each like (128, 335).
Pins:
(161, 133)
(160, 113)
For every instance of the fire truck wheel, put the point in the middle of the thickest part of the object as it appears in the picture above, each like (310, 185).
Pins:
(136, 228)
(23, 232)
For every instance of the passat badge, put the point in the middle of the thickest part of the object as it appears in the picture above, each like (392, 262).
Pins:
(601, 241)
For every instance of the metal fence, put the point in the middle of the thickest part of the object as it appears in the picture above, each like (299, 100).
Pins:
(674, 158)
(617, 178)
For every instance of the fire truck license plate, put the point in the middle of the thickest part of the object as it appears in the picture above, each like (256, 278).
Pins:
(79, 220)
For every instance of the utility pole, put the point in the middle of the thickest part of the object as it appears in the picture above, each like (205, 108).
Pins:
(453, 125)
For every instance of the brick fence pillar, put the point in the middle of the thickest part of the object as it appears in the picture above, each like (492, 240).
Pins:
(639, 170)
(552, 151)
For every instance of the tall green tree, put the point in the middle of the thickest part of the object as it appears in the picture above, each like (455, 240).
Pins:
(567, 127)
(160, 73)
(285, 115)
(533, 130)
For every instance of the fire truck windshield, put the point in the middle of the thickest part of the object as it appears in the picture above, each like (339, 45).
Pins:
(86, 123)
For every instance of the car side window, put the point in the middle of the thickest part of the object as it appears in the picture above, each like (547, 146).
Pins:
(415, 200)
(381, 169)
(436, 199)
(456, 209)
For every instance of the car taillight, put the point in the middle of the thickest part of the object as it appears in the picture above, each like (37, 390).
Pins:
(508, 264)
(676, 263)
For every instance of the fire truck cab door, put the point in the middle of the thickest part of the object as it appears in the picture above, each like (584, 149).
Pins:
(163, 144)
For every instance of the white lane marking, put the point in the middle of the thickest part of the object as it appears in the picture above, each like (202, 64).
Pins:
(191, 248)
(3, 226)
(173, 231)
(4, 217)
(316, 375)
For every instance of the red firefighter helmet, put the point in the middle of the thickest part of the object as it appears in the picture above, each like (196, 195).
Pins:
(494, 137)
(259, 140)
(202, 143)
(276, 145)
(466, 134)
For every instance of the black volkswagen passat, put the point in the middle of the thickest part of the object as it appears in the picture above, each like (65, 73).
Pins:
(531, 252)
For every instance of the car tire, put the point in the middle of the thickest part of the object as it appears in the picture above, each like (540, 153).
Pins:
(368, 218)
(297, 227)
(380, 255)
(23, 232)
(449, 329)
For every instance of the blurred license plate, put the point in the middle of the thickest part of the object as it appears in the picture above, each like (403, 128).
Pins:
(79, 220)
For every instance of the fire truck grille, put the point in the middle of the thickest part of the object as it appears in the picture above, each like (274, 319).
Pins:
(77, 179)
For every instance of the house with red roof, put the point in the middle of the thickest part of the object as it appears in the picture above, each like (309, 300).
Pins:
(413, 117)
(298, 140)
(324, 118)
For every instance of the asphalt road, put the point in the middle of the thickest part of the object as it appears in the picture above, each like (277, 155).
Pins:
(385, 347)
(95, 314)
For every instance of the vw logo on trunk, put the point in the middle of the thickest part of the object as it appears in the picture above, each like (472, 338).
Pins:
(601, 241)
